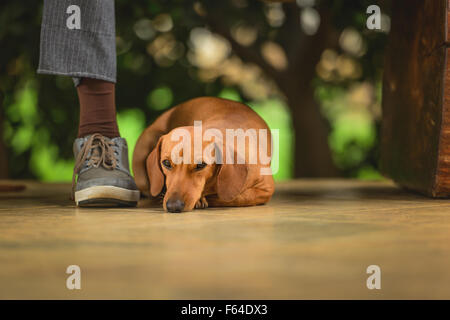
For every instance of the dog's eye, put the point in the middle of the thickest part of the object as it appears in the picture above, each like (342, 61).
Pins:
(166, 163)
(200, 166)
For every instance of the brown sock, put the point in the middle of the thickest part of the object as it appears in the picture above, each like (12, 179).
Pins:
(97, 108)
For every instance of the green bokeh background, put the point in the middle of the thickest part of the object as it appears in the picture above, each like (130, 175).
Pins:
(40, 113)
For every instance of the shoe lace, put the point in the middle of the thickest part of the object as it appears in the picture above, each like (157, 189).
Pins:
(103, 154)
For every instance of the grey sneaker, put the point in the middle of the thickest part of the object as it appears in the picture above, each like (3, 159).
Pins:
(103, 172)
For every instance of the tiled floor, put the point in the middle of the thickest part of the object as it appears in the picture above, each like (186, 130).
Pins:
(315, 239)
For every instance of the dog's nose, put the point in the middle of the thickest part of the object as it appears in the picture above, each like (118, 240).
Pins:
(175, 205)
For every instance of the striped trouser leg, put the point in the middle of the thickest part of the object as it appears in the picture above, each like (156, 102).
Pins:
(78, 39)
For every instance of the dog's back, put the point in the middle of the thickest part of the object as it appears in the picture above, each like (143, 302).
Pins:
(215, 112)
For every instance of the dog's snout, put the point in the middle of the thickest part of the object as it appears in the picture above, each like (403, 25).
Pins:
(175, 205)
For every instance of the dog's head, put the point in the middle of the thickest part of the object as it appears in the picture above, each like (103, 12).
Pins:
(188, 172)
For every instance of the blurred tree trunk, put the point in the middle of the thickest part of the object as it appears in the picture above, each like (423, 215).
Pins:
(313, 157)
(3, 152)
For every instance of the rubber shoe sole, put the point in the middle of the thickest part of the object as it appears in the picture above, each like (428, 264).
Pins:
(105, 196)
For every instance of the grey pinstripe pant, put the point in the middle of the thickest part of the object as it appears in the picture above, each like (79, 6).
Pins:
(89, 51)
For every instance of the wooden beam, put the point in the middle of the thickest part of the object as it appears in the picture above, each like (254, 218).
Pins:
(415, 142)
(3, 151)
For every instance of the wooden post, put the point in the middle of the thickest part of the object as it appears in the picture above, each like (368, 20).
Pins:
(415, 141)
(3, 152)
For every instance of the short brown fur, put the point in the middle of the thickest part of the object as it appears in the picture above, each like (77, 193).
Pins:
(216, 184)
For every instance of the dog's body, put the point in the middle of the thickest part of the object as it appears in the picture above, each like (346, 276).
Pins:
(190, 185)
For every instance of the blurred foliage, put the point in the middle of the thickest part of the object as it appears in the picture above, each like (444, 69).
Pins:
(165, 57)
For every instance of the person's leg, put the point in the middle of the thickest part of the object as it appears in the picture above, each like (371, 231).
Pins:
(87, 49)
(97, 108)
(78, 40)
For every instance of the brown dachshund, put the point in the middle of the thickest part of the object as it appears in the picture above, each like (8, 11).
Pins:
(221, 174)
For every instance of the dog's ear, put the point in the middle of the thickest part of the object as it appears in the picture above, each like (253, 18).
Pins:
(154, 171)
(231, 180)
(232, 177)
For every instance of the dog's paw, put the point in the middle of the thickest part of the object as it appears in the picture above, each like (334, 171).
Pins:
(201, 204)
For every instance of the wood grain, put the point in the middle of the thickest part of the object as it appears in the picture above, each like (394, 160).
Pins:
(442, 180)
(413, 141)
